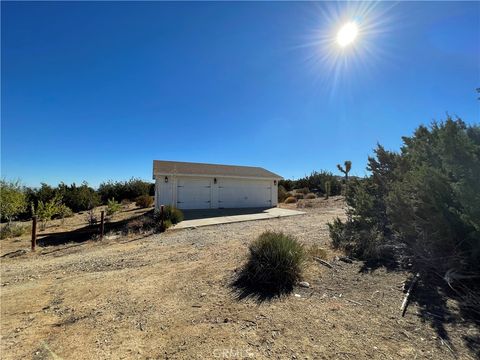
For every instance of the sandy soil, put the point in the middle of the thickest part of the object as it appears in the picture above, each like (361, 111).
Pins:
(170, 296)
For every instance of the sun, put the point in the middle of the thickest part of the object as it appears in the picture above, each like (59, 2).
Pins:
(347, 34)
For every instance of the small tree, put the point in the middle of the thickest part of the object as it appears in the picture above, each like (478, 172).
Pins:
(113, 206)
(12, 199)
(345, 170)
(46, 210)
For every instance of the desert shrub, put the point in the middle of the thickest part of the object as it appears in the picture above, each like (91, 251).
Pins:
(63, 211)
(91, 217)
(141, 224)
(171, 214)
(310, 196)
(134, 226)
(298, 196)
(275, 262)
(121, 190)
(125, 202)
(290, 200)
(113, 206)
(78, 198)
(45, 211)
(12, 230)
(316, 251)
(282, 193)
(304, 190)
(146, 223)
(288, 185)
(316, 182)
(421, 203)
(144, 201)
(12, 200)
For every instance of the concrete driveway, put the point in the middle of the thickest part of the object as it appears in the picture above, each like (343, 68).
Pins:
(197, 218)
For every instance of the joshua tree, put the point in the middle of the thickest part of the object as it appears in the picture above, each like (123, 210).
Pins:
(346, 170)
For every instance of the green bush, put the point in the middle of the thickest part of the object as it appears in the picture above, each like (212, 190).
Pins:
(121, 190)
(144, 201)
(310, 196)
(171, 214)
(113, 207)
(290, 200)
(316, 182)
(275, 262)
(12, 230)
(47, 210)
(78, 198)
(12, 200)
(422, 202)
(63, 211)
(288, 185)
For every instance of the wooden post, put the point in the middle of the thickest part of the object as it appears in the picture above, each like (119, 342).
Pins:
(161, 217)
(102, 224)
(34, 232)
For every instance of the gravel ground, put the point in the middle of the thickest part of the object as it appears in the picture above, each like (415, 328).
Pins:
(169, 296)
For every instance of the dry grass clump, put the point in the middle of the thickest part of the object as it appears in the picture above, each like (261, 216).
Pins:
(275, 262)
(290, 200)
(316, 251)
(310, 196)
(144, 201)
(13, 230)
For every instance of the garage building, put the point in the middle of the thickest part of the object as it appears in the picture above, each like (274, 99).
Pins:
(188, 185)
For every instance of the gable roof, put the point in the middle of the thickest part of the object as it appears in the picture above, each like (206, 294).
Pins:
(161, 167)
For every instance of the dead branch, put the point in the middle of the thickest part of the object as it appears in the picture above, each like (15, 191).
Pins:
(403, 308)
(323, 262)
(354, 302)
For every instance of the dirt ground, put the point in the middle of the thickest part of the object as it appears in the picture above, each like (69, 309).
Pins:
(169, 296)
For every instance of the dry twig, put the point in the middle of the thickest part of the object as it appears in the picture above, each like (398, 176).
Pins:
(403, 308)
(323, 262)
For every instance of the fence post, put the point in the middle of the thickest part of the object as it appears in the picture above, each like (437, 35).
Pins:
(161, 217)
(34, 232)
(102, 224)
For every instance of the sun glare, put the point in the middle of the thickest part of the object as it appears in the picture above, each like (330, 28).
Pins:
(347, 34)
(347, 41)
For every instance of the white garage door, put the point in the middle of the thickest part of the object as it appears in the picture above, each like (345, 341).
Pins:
(244, 193)
(193, 193)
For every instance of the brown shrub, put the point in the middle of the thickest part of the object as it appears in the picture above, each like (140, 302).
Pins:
(316, 251)
(303, 191)
(290, 200)
(144, 201)
(310, 196)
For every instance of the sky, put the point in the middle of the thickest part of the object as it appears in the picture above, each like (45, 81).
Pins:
(96, 91)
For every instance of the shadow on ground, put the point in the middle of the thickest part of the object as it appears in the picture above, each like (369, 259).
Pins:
(431, 295)
(212, 213)
(243, 288)
(84, 233)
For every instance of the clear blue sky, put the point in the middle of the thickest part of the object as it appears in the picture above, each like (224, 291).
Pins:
(96, 91)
